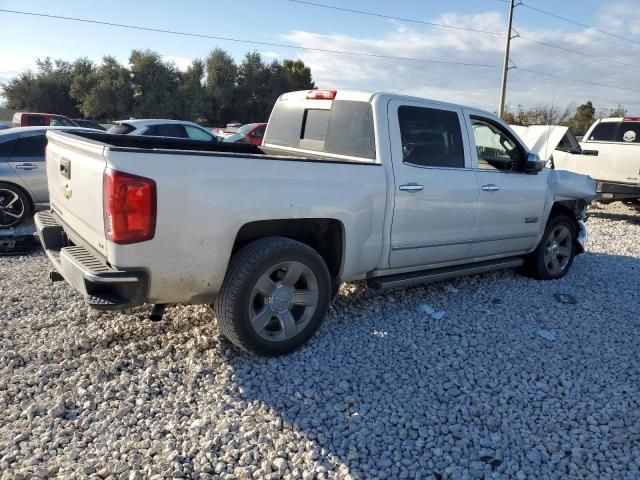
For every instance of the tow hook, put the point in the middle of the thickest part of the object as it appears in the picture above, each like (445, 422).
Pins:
(157, 312)
(55, 277)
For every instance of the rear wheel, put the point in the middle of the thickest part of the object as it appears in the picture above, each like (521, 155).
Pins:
(555, 252)
(15, 207)
(274, 297)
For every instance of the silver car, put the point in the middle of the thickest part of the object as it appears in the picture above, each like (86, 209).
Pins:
(23, 182)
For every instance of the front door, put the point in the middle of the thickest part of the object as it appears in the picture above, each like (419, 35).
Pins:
(436, 193)
(511, 203)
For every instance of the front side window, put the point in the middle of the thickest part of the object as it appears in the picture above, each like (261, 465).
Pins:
(167, 130)
(196, 133)
(33, 147)
(496, 150)
(431, 137)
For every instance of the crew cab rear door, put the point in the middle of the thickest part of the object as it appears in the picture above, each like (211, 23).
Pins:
(436, 194)
(75, 168)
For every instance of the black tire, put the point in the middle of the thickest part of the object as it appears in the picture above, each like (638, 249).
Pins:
(240, 299)
(635, 204)
(15, 206)
(540, 263)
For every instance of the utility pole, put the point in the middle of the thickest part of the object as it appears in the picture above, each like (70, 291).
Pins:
(505, 65)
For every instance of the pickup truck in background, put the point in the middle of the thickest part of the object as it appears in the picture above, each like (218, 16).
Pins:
(347, 186)
(609, 153)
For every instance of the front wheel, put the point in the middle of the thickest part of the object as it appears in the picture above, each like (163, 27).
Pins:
(274, 297)
(555, 252)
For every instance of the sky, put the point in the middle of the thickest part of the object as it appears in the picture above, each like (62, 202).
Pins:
(26, 38)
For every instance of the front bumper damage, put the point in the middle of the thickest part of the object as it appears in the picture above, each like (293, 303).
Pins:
(103, 286)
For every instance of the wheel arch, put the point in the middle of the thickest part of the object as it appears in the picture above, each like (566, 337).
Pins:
(325, 235)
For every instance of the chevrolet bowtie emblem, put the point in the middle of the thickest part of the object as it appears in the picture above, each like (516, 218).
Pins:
(66, 190)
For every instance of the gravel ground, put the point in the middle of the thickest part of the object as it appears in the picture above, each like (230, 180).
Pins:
(511, 381)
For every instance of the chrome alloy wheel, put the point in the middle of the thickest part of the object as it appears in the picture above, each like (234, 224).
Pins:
(283, 301)
(558, 250)
(12, 208)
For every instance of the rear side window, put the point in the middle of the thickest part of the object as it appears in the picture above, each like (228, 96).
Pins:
(121, 129)
(35, 121)
(167, 130)
(346, 129)
(6, 148)
(629, 132)
(431, 137)
(31, 147)
(604, 132)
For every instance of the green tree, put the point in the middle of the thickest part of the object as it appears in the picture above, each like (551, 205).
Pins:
(299, 75)
(105, 93)
(155, 85)
(45, 90)
(582, 119)
(191, 92)
(221, 77)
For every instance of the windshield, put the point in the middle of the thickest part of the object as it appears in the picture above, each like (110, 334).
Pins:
(121, 129)
(245, 129)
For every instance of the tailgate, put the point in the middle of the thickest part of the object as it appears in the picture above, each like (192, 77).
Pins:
(75, 166)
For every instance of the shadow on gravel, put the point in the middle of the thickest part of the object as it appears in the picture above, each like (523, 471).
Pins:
(633, 217)
(389, 392)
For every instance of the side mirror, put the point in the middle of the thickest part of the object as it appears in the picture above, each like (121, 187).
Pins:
(534, 164)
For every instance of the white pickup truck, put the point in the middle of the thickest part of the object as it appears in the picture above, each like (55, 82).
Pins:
(347, 186)
(609, 153)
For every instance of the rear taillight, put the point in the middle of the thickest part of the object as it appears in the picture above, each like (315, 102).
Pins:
(631, 119)
(321, 95)
(129, 207)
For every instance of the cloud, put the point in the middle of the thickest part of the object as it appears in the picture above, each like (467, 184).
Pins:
(270, 55)
(181, 63)
(479, 86)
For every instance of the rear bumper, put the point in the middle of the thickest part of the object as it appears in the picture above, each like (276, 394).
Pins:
(616, 191)
(103, 286)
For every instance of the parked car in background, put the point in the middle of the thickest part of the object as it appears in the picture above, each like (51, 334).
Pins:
(346, 186)
(162, 128)
(252, 133)
(85, 123)
(31, 119)
(23, 182)
(609, 153)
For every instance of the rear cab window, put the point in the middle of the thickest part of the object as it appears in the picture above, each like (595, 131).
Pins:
(618, 132)
(342, 128)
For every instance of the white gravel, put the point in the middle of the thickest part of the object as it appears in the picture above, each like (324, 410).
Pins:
(385, 390)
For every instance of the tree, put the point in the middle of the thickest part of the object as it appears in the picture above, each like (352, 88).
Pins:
(46, 90)
(191, 92)
(253, 79)
(221, 76)
(155, 85)
(105, 93)
(299, 75)
(583, 118)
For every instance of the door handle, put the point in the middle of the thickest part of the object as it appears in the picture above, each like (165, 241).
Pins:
(490, 188)
(411, 187)
(26, 166)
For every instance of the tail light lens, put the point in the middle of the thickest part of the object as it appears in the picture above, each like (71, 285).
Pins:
(129, 207)
(321, 95)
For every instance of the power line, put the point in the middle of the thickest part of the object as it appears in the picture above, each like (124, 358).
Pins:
(469, 29)
(587, 82)
(282, 45)
(604, 32)
(391, 17)
(252, 42)
(584, 54)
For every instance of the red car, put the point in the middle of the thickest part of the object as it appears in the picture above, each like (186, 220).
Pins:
(30, 119)
(252, 132)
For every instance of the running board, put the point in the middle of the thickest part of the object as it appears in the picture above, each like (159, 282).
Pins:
(440, 274)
